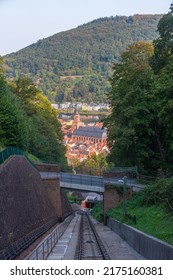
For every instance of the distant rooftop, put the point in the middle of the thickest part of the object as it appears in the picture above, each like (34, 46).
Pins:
(87, 131)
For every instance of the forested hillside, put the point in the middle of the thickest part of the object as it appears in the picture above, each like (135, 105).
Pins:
(77, 63)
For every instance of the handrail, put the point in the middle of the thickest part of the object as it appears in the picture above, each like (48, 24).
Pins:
(10, 151)
(42, 251)
(71, 169)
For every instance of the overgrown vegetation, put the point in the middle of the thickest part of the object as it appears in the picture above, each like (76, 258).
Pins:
(150, 210)
(33, 158)
(97, 212)
(94, 165)
(72, 198)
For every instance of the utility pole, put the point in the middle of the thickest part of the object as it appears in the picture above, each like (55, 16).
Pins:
(124, 196)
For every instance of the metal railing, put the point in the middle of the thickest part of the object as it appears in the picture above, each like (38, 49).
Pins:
(42, 251)
(6, 153)
(11, 151)
(16, 248)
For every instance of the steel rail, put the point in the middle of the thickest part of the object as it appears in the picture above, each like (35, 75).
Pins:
(89, 240)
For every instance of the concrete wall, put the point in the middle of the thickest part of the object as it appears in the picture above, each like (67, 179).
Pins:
(150, 247)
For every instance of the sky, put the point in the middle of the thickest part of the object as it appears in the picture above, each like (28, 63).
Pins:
(23, 22)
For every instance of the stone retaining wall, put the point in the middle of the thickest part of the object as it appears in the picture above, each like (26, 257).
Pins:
(148, 246)
(57, 197)
(26, 201)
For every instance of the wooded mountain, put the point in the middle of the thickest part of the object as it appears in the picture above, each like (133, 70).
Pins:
(77, 64)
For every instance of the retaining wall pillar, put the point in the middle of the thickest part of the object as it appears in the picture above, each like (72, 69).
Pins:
(52, 187)
(111, 199)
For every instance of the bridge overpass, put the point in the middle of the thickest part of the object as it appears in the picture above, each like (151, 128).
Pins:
(88, 183)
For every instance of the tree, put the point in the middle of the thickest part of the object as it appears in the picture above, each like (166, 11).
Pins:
(1, 68)
(130, 125)
(163, 46)
(96, 163)
(140, 125)
(13, 122)
(162, 64)
(45, 137)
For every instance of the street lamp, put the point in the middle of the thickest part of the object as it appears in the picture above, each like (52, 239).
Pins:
(124, 196)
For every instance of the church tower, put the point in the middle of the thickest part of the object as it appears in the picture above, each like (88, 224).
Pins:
(76, 120)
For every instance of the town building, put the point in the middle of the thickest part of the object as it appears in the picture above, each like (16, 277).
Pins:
(83, 140)
(89, 134)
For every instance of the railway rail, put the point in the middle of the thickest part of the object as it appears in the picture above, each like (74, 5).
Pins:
(89, 245)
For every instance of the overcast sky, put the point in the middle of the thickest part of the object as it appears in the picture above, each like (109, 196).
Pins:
(23, 22)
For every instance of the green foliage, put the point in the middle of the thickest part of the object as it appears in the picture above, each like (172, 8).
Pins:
(140, 125)
(44, 128)
(97, 212)
(95, 164)
(28, 121)
(162, 64)
(152, 213)
(163, 45)
(72, 199)
(33, 158)
(1, 68)
(160, 192)
(130, 124)
(13, 122)
(76, 64)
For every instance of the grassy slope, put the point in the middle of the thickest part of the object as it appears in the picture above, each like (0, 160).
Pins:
(155, 220)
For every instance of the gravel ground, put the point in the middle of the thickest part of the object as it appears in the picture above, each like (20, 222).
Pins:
(114, 244)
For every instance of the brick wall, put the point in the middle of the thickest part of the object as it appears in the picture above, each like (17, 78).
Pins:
(112, 198)
(52, 187)
(42, 167)
(66, 207)
(24, 203)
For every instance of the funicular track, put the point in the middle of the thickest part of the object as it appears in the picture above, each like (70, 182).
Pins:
(90, 246)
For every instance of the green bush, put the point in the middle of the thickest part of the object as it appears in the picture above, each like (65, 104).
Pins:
(97, 212)
(150, 210)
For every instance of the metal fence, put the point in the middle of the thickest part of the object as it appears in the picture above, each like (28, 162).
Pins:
(114, 171)
(10, 151)
(6, 153)
(42, 251)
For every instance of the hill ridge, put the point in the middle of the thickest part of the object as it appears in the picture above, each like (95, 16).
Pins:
(89, 51)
